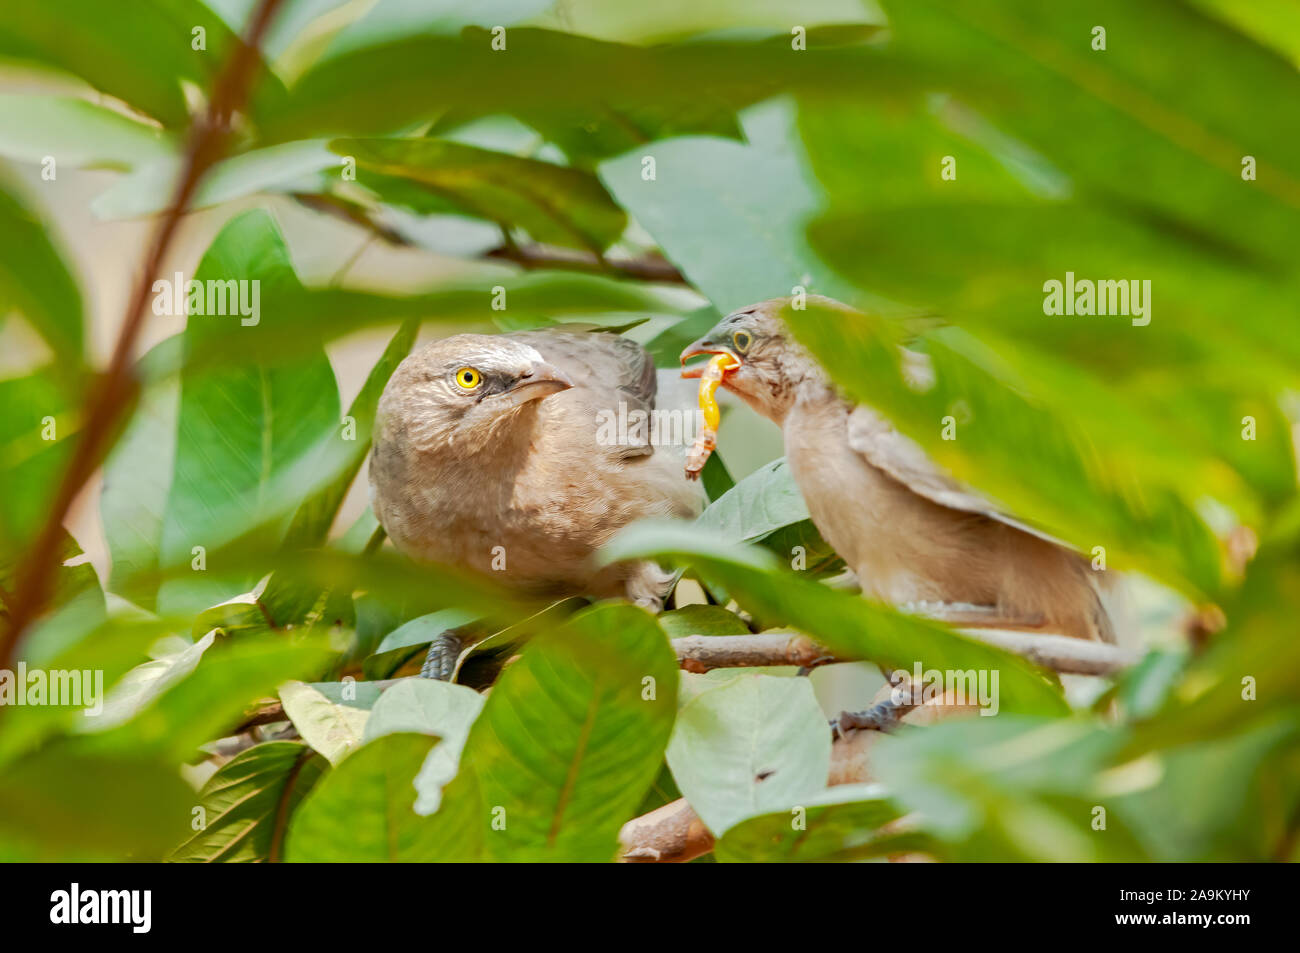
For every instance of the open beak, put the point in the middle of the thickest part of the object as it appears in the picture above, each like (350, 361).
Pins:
(540, 380)
(703, 346)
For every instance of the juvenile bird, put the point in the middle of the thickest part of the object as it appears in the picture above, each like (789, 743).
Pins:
(913, 536)
(488, 454)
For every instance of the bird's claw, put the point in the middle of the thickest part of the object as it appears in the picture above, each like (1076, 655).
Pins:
(440, 663)
(882, 716)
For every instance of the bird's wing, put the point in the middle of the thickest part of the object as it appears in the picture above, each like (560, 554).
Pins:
(610, 371)
(599, 361)
(902, 458)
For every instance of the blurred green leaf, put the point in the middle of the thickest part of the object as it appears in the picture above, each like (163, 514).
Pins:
(65, 803)
(35, 281)
(285, 167)
(1008, 788)
(312, 522)
(242, 428)
(233, 675)
(248, 802)
(553, 203)
(137, 477)
(680, 19)
(76, 133)
(748, 746)
(140, 54)
(413, 79)
(1170, 137)
(702, 620)
(815, 829)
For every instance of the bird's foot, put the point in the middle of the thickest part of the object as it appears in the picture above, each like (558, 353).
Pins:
(819, 661)
(440, 663)
(882, 716)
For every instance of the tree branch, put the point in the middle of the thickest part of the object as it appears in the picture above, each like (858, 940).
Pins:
(528, 257)
(702, 653)
(531, 257)
(113, 392)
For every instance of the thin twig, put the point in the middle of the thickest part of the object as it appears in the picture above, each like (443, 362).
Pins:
(113, 392)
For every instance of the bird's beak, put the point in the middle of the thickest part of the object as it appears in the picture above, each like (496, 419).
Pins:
(703, 346)
(540, 380)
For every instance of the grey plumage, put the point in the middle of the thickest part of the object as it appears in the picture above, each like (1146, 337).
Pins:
(911, 534)
(509, 477)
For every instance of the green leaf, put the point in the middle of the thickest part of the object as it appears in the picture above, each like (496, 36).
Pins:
(680, 19)
(361, 812)
(1169, 140)
(140, 54)
(411, 640)
(35, 281)
(248, 802)
(553, 203)
(76, 133)
(332, 723)
(1009, 788)
(286, 167)
(137, 477)
(752, 744)
(65, 803)
(297, 321)
(316, 515)
(840, 620)
(702, 620)
(767, 507)
(818, 829)
(428, 707)
(415, 79)
(758, 195)
(566, 746)
(145, 683)
(233, 675)
(242, 430)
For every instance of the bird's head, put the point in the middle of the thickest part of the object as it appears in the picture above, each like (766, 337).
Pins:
(464, 390)
(772, 363)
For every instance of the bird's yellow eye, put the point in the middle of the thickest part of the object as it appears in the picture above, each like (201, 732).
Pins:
(741, 340)
(468, 378)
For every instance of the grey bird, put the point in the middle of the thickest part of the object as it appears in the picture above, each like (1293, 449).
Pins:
(913, 536)
(489, 453)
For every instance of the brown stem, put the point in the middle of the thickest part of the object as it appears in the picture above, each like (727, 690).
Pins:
(113, 391)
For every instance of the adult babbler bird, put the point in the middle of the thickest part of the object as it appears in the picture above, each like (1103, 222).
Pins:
(487, 454)
(913, 536)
